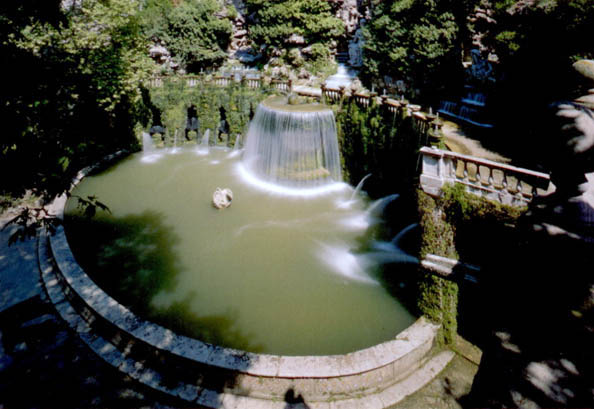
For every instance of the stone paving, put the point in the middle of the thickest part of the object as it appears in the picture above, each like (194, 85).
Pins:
(42, 363)
(20, 279)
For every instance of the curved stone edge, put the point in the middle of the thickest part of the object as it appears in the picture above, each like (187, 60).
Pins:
(321, 377)
(202, 396)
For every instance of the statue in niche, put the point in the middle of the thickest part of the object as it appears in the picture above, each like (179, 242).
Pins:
(481, 69)
(223, 128)
(192, 122)
(356, 48)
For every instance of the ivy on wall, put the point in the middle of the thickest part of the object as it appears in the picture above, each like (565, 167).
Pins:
(457, 225)
(234, 103)
(374, 140)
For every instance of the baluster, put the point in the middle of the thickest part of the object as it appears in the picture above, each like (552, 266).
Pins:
(512, 184)
(498, 179)
(472, 171)
(527, 190)
(460, 169)
(485, 175)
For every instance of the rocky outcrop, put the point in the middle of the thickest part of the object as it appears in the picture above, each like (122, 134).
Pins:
(161, 55)
(348, 12)
(240, 48)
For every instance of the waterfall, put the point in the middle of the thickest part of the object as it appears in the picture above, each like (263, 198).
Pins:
(293, 145)
(343, 77)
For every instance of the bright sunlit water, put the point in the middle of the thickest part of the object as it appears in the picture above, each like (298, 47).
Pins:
(273, 273)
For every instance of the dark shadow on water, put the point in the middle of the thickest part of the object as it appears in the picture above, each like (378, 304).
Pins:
(133, 259)
(399, 278)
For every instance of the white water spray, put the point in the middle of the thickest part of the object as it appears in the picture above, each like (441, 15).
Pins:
(293, 146)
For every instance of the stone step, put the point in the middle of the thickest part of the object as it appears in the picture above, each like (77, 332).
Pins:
(204, 385)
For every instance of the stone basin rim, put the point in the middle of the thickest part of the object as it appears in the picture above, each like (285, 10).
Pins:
(416, 336)
(279, 103)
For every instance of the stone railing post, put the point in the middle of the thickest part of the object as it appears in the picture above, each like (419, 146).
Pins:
(433, 175)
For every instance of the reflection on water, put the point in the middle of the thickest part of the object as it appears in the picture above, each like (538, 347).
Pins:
(272, 273)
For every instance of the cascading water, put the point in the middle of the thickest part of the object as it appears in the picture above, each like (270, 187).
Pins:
(149, 151)
(343, 77)
(237, 142)
(203, 147)
(175, 149)
(359, 186)
(293, 146)
(148, 146)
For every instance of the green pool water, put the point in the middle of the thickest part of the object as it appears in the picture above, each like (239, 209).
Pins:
(273, 273)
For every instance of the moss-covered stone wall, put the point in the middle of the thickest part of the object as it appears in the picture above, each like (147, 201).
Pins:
(234, 103)
(455, 226)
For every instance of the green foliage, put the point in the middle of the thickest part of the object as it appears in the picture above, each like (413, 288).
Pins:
(275, 21)
(461, 207)
(536, 43)
(438, 301)
(562, 28)
(192, 31)
(438, 297)
(196, 36)
(74, 93)
(374, 140)
(153, 18)
(438, 233)
(415, 41)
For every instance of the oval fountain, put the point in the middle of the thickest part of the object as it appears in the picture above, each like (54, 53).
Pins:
(265, 297)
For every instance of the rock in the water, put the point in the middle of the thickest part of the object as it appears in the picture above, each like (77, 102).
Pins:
(585, 67)
(222, 198)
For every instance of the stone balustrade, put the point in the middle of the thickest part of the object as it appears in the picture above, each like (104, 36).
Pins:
(155, 82)
(222, 81)
(333, 94)
(422, 121)
(281, 85)
(252, 82)
(497, 181)
(192, 80)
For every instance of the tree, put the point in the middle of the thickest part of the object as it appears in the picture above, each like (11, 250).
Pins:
(75, 89)
(536, 43)
(272, 23)
(196, 32)
(415, 41)
(196, 35)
